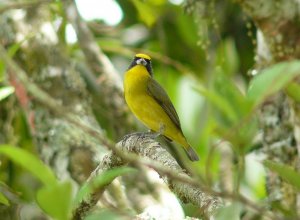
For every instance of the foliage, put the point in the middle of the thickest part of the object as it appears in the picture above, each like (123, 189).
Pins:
(5, 91)
(271, 80)
(99, 181)
(286, 172)
(52, 192)
(202, 58)
(55, 197)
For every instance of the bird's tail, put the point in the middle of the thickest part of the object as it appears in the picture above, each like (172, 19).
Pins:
(191, 153)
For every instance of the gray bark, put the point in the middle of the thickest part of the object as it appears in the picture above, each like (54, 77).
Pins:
(278, 40)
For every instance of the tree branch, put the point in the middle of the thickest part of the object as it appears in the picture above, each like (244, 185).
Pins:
(146, 147)
(109, 83)
(165, 165)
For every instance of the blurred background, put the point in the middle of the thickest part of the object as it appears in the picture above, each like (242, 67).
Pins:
(203, 54)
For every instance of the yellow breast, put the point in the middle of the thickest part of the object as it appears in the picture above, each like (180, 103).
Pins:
(136, 96)
(135, 80)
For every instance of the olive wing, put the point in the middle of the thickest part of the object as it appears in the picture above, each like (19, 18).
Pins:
(162, 98)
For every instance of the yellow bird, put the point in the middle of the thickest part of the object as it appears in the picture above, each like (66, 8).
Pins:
(150, 103)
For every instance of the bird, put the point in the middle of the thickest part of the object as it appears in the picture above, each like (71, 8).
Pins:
(150, 103)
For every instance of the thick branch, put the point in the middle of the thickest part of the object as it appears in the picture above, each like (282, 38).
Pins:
(146, 147)
(166, 166)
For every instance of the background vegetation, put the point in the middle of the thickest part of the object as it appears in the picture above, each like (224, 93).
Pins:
(231, 70)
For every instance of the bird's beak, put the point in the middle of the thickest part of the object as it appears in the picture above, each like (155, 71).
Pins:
(141, 61)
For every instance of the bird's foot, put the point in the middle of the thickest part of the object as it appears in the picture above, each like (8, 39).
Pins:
(132, 134)
(162, 128)
(154, 134)
(150, 134)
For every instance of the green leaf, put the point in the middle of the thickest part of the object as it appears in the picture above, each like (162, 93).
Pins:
(230, 105)
(285, 172)
(227, 57)
(293, 90)
(14, 48)
(30, 163)
(186, 25)
(271, 80)
(56, 200)
(231, 212)
(232, 112)
(4, 200)
(228, 90)
(6, 91)
(99, 181)
(103, 214)
(147, 12)
(2, 70)
(219, 102)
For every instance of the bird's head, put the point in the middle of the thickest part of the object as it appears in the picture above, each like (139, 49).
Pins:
(144, 60)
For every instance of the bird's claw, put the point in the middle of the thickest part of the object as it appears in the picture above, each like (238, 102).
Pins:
(161, 131)
(151, 134)
(127, 136)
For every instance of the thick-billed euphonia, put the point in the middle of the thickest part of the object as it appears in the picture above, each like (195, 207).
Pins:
(150, 103)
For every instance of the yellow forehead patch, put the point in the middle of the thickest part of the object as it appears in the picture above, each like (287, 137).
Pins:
(142, 55)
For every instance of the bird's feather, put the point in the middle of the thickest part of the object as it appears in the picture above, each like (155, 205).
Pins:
(159, 94)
